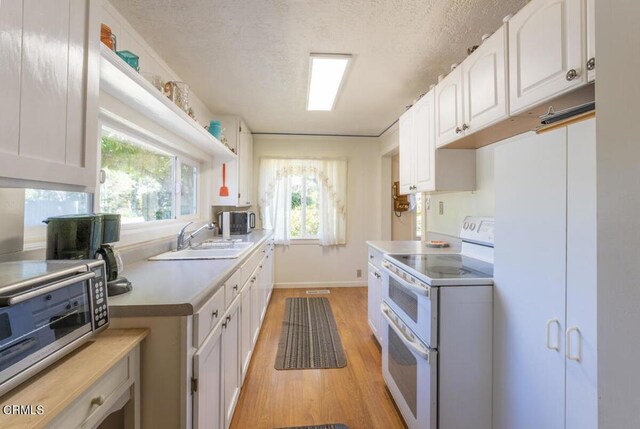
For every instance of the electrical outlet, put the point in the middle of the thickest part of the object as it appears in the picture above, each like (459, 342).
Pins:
(441, 208)
(358, 273)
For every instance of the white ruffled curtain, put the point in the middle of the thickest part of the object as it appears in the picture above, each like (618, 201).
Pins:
(275, 196)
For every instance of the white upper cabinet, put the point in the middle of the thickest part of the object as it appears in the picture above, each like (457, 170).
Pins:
(449, 108)
(591, 40)
(423, 168)
(50, 71)
(484, 75)
(546, 52)
(238, 173)
(424, 164)
(407, 152)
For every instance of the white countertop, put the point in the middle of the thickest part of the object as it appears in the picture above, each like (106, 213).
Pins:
(417, 247)
(177, 288)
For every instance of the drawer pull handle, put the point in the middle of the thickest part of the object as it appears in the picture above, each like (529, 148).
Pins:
(235, 287)
(99, 400)
(215, 314)
(228, 318)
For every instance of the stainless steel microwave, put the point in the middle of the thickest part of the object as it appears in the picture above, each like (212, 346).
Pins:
(241, 222)
(47, 309)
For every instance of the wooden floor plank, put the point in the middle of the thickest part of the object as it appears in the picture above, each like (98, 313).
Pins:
(355, 395)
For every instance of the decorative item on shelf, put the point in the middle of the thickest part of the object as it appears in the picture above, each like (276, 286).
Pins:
(225, 142)
(178, 92)
(107, 37)
(154, 79)
(192, 114)
(215, 129)
(400, 202)
(472, 49)
(130, 58)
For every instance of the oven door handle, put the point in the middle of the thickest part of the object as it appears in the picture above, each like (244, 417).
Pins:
(21, 297)
(414, 345)
(421, 290)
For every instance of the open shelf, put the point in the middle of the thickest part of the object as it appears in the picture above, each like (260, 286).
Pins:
(121, 81)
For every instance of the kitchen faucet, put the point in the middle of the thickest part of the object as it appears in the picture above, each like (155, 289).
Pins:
(183, 242)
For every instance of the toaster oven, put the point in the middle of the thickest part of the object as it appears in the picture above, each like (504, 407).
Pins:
(47, 309)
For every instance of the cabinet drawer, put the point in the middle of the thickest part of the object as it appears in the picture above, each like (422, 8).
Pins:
(375, 258)
(99, 398)
(208, 316)
(232, 287)
(250, 265)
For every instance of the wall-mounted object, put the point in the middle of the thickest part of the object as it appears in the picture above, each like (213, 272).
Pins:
(400, 202)
(130, 58)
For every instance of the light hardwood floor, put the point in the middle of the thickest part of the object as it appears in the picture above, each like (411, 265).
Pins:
(355, 395)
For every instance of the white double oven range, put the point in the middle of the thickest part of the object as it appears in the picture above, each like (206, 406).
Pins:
(437, 332)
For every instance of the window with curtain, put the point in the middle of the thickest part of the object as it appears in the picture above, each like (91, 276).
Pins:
(304, 199)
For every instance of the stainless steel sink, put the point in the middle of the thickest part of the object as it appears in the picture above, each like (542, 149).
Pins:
(210, 249)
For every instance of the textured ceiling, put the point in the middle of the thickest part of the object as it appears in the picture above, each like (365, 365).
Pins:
(251, 57)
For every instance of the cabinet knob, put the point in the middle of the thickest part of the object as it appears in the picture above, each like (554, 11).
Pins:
(215, 314)
(591, 64)
(458, 130)
(572, 74)
(228, 318)
(224, 324)
(235, 287)
(465, 127)
(98, 400)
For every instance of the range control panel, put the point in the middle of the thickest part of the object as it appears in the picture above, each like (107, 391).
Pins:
(477, 229)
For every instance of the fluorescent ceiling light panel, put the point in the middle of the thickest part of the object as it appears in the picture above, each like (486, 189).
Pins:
(326, 73)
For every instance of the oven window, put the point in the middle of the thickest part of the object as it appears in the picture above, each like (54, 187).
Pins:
(404, 299)
(403, 367)
(41, 321)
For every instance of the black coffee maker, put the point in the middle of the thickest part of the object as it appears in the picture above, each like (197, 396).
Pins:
(88, 236)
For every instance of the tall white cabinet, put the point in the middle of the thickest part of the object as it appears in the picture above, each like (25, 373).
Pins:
(49, 104)
(545, 372)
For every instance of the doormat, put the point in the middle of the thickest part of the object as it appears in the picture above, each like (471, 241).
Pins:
(309, 337)
(329, 426)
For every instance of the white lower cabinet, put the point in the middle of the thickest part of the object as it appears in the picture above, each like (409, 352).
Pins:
(231, 360)
(246, 343)
(374, 299)
(207, 407)
(256, 304)
(545, 367)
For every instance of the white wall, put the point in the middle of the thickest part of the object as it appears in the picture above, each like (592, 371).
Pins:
(457, 205)
(313, 265)
(618, 170)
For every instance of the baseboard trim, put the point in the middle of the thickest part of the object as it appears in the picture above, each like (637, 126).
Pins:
(317, 285)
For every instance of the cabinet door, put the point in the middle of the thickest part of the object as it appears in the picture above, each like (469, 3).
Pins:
(246, 345)
(245, 160)
(529, 290)
(449, 108)
(407, 152)
(546, 43)
(231, 361)
(207, 404)
(485, 83)
(424, 159)
(373, 299)
(264, 288)
(10, 70)
(56, 57)
(256, 306)
(591, 40)
(581, 331)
